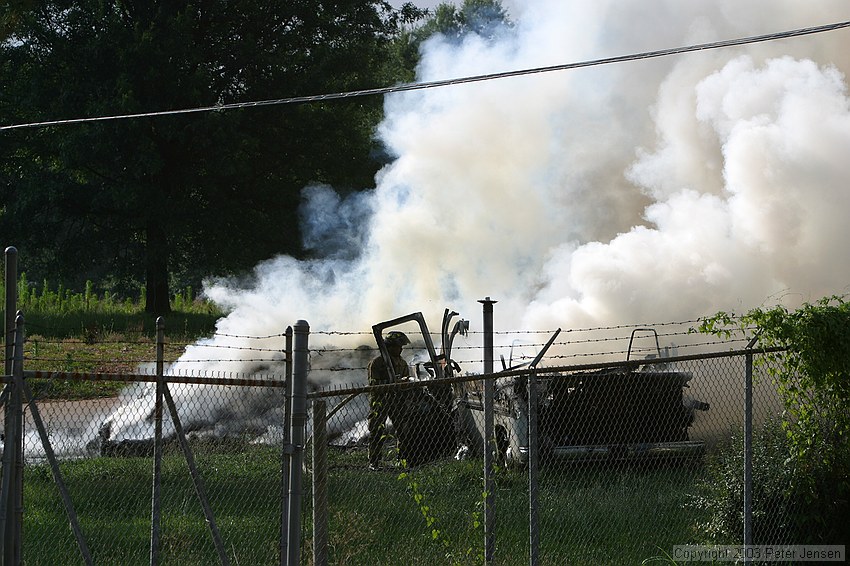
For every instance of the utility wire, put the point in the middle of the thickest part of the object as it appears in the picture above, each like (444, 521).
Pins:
(448, 82)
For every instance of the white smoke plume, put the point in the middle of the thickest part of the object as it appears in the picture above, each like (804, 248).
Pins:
(650, 190)
(655, 190)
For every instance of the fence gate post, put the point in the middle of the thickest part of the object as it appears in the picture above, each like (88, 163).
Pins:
(489, 436)
(11, 492)
(286, 451)
(299, 422)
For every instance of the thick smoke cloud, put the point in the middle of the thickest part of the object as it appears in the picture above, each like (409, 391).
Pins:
(646, 191)
(649, 191)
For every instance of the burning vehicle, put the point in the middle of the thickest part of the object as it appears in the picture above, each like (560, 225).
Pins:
(623, 412)
(632, 411)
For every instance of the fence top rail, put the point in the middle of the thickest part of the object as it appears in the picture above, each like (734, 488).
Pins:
(276, 380)
(626, 364)
(270, 380)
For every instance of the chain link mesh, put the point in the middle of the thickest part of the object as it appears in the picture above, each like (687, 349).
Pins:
(105, 449)
(630, 463)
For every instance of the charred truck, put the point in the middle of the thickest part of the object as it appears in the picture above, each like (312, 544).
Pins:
(629, 412)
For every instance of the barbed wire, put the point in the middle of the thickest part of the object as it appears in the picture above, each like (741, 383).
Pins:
(151, 360)
(666, 335)
(261, 337)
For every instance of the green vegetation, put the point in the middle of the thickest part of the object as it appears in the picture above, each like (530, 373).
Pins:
(811, 460)
(62, 313)
(155, 203)
(170, 200)
(773, 505)
(587, 516)
(86, 332)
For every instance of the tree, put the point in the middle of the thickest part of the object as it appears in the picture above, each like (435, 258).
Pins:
(480, 17)
(178, 197)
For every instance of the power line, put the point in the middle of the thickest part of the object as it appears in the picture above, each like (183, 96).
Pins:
(448, 82)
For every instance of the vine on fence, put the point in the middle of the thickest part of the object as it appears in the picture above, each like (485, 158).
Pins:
(473, 553)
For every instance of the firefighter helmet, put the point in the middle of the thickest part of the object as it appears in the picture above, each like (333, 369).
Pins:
(396, 338)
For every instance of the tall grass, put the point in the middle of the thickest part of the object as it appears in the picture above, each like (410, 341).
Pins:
(90, 332)
(64, 313)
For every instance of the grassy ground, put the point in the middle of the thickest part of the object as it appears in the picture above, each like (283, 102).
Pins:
(112, 497)
(431, 515)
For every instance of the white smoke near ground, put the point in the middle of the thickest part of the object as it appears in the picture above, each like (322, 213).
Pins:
(653, 190)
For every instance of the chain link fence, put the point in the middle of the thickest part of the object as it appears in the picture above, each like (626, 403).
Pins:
(597, 463)
(105, 449)
(619, 464)
(178, 469)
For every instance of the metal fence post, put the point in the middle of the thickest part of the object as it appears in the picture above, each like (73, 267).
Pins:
(748, 452)
(299, 422)
(157, 447)
(11, 492)
(286, 451)
(320, 483)
(533, 445)
(11, 305)
(489, 436)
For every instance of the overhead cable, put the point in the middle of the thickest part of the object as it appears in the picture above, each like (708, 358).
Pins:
(447, 82)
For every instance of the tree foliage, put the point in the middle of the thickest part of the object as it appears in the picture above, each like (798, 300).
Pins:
(484, 18)
(170, 199)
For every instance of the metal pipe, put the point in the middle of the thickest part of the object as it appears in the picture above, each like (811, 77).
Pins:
(533, 534)
(11, 306)
(157, 446)
(16, 505)
(748, 452)
(286, 451)
(320, 483)
(489, 436)
(9, 543)
(299, 422)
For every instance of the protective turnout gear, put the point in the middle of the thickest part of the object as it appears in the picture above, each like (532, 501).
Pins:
(384, 405)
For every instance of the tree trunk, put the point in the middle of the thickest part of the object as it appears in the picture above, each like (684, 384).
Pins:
(156, 269)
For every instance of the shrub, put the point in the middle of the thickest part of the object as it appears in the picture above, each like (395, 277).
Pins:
(809, 462)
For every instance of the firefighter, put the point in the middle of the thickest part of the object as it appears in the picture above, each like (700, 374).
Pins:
(379, 403)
